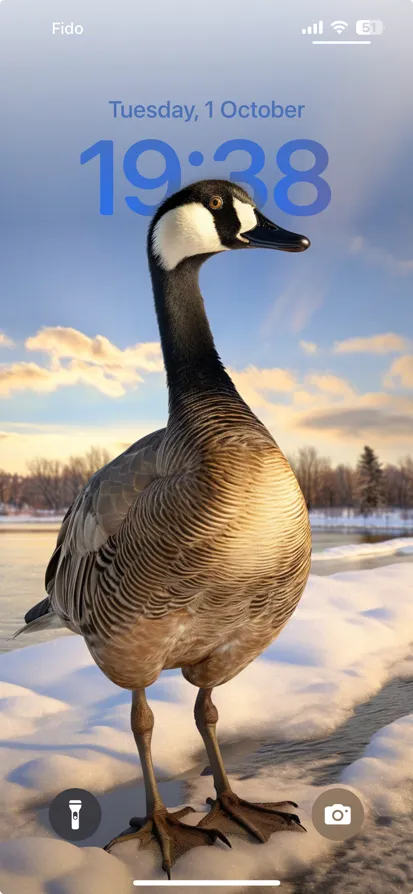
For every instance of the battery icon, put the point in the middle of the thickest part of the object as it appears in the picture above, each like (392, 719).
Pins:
(369, 26)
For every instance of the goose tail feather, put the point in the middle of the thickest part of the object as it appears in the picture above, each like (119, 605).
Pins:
(44, 623)
(40, 617)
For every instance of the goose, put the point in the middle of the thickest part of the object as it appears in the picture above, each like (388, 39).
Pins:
(192, 548)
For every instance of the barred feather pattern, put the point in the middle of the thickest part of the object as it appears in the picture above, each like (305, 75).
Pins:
(190, 550)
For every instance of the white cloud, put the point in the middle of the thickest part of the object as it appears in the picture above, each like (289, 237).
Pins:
(309, 347)
(380, 257)
(385, 343)
(5, 342)
(330, 384)
(400, 373)
(61, 342)
(74, 358)
(254, 385)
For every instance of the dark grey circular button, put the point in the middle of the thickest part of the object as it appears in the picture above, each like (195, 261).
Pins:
(338, 814)
(75, 814)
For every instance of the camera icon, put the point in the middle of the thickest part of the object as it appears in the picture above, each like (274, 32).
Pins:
(337, 815)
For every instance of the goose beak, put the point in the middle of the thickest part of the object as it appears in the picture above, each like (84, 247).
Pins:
(268, 235)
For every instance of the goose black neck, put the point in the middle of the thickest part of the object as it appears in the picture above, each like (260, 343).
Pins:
(191, 360)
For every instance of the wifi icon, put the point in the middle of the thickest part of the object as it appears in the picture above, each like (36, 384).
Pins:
(339, 27)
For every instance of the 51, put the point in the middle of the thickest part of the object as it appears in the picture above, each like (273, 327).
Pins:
(172, 175)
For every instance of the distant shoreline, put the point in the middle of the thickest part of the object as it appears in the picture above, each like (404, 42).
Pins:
(390, 522)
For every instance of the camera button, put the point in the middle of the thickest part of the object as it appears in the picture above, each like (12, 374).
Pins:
(338, 814)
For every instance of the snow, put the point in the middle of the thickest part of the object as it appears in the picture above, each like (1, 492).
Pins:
(29, 865)
(384, 773)
(381, 520)
(400, 546)
(381, 778)
(65, 725)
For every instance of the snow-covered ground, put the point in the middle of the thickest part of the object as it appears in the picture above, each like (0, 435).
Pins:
(399, 546)
(64, 725)
(382, 520)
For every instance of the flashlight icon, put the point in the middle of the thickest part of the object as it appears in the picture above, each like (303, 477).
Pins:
(75, 808)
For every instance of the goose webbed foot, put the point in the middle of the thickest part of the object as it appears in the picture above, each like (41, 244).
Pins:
(260, 820)
(173, 837)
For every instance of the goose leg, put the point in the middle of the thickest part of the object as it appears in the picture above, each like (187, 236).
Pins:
(173, 837)
(228, 810)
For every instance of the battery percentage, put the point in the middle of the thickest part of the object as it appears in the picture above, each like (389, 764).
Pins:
(369, 26)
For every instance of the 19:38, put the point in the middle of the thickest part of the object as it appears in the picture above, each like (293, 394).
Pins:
(171, 176)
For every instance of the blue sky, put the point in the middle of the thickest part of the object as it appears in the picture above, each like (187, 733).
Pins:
(319, 344)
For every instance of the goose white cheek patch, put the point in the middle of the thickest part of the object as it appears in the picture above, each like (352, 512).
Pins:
(246, 216)
(184, 232)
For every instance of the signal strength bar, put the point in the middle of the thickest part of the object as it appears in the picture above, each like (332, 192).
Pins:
(317, 28)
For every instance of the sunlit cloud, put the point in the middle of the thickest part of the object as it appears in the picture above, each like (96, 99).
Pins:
(386, 343)
(75, 359)
(309, 347)
(5, 342)
(356, 422)
(63, 342)
(255, 384)
(330, 384)
(292, 406)
(32, 377)
(400, 373)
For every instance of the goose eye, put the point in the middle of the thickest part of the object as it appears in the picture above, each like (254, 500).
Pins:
(216, 203)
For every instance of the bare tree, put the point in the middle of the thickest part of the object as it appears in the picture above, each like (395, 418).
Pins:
(54, 485)
(4, 486)
(47, 481)
(345, 485)
(310, 470)
(79, 469)
(95, 459)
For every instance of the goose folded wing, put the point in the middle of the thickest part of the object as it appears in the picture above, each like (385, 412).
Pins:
(93, 517)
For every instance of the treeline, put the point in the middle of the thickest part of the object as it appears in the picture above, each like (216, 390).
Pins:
(50, 484)
(53, 485)
(364, 488)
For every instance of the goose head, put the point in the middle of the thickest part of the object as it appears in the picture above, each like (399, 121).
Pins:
(209, 217)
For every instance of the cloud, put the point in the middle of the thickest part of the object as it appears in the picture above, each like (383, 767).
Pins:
(275, 379)
(380, 257)
(31, 377)
(254, 385)
(330, 384)
(64, 342)
(18, 376)
(400, 373)
(74, 358)
(357, 422)
(309, 347)
(5, 342)
(295, 306)
(385, 343)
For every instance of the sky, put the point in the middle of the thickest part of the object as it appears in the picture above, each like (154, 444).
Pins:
(319, 344)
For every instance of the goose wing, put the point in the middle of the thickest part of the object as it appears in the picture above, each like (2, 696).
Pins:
(93, 517)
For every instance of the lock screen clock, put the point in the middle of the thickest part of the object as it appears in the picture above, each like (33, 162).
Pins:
(250, 176)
